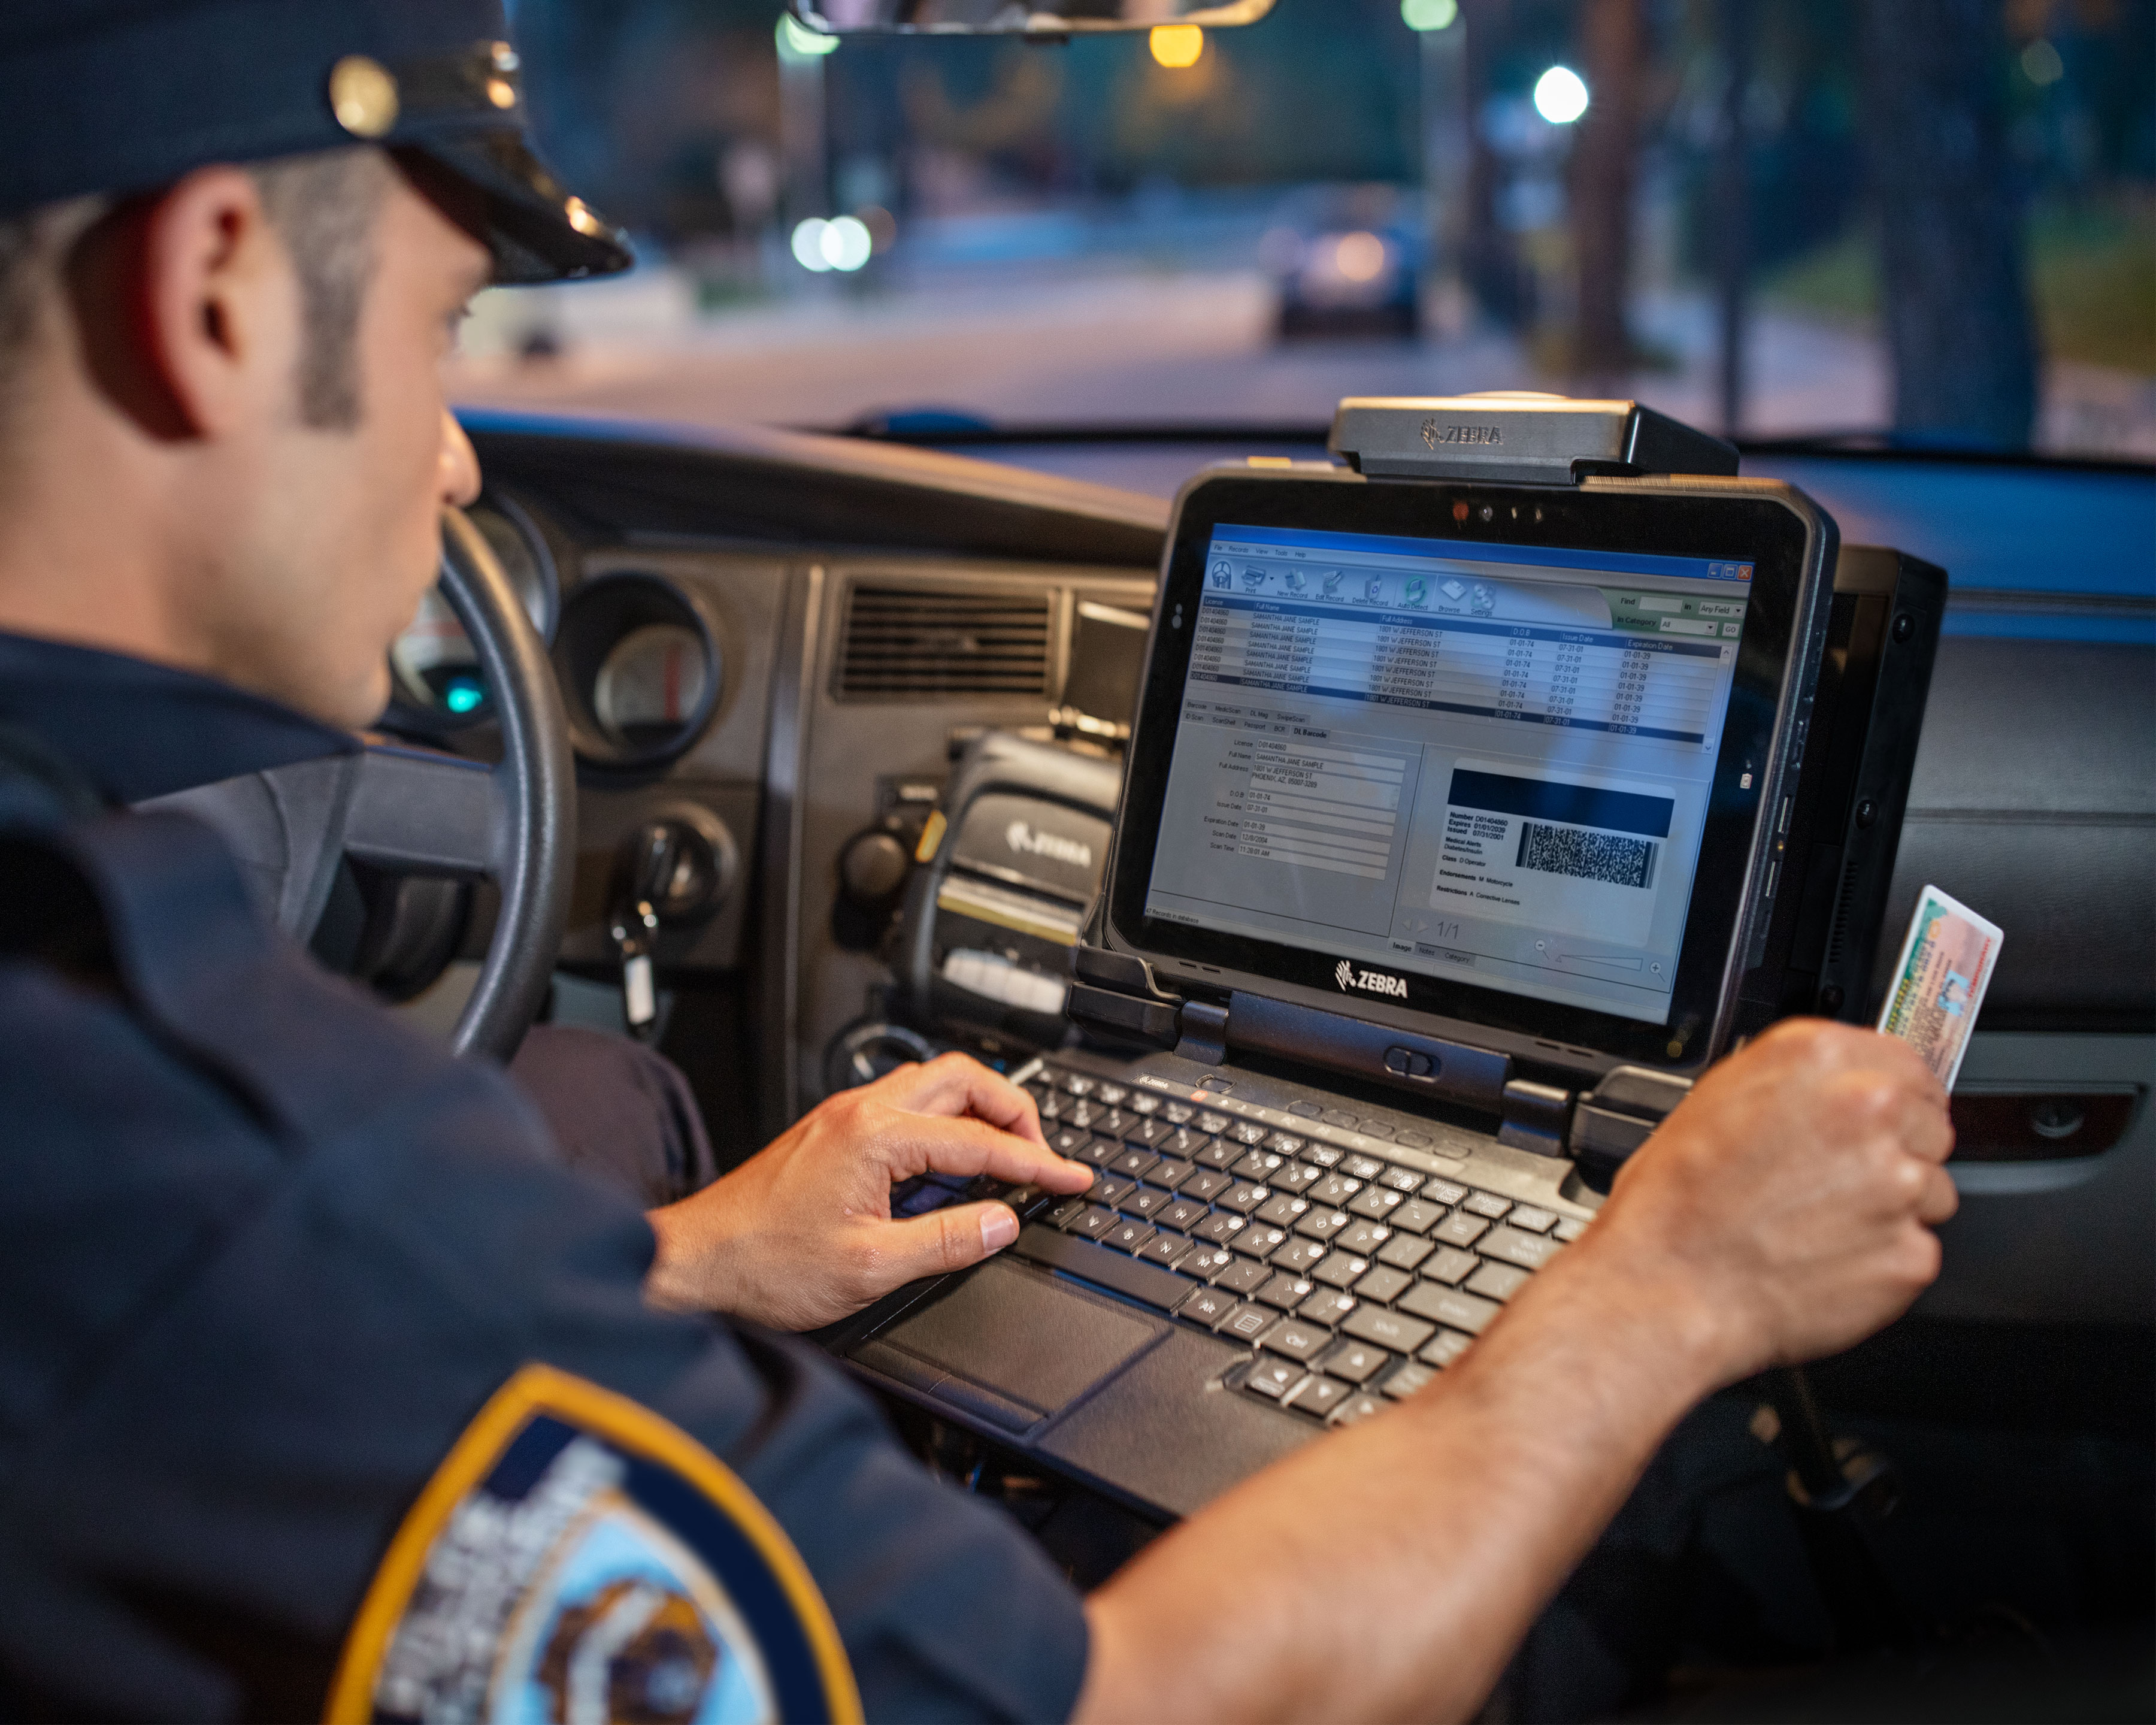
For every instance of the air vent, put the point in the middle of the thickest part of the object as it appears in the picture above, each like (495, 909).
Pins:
(903, 641)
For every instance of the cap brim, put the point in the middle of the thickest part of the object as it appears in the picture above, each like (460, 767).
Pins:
(536, 229)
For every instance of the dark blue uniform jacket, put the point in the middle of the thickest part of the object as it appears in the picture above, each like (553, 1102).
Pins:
(264, 1252)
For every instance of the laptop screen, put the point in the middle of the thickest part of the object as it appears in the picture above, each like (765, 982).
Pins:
(1483, 763)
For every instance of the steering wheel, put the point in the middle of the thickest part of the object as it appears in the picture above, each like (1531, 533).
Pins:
(411, 811)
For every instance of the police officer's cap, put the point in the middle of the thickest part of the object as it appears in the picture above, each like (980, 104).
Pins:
(118, 96)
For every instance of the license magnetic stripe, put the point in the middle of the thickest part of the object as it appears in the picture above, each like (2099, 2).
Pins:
(540, 1391)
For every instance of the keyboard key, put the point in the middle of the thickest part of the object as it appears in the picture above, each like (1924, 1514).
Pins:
(1403, 1252)
(1203, 1261)
(1359, 1406)
(1298, 1257)
(1355, 1362)
(1283, 1144)
(1246, 1323)
(1377, 1203)
(1149, 1132)
(1273, 1378)
(1327, 1306)
(1182, 1141)
(1363, 1236)
(1127, 1236)
(1206, 1305)
(1497, 1281)
(1144, 1104)
(1532, 1221)
(1177, 1113)
(1415, 1141)
(1442, 1191)
(1571, 1228)
(1183, 1214)
(1442, 1305)
(1401, 1179)
(1220, 1227)
(1384, 1284)
(1247, 1132)
(1065, 1212)
(1415, 1216)
(1147, 1283)
(1051, 1109)
(1169, 1172)
(1095, 1222)
(1334, 1191)
(1363, 1167)
(1257, 1166)
(1298, 1177)
(1377, 1129)
(1215, 1153)
(1448, 1265)
(1110, 1095)
(1318, 1395)
(1245, 1276)
(1261, 1239)
(1083, 1114)
(1322, 1223)
(1285, 1292)
(1068, 1139)
(1133, 1162)
(1281, 1210)
(1460, 1229)
(1113, 1123)
(1296, 1340)
(1211, 1122)
(1339, 1269)
(1146, 1202)
(1205, 1185)
(1308, 1110)
(1340, 1118)
(1324, 1155)
(1530, 1251)
(1078, 1085)
(1446, 1346)
(1487, 1204)
(1406, 1381)
(1243, 1198)
(1387, 1329)
(1109, 1188)
(1164, 1250)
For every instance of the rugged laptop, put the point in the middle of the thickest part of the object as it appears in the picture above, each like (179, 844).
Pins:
(1455, 815)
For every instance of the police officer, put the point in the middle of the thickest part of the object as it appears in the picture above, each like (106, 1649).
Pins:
(321, 1389)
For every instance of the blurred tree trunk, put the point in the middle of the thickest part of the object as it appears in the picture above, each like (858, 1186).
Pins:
(1604, 170)
(1956, 304)
(1490, 260)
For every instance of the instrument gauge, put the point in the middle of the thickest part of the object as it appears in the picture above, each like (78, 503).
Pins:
(650, 684)
(637, 658)
(434, 675)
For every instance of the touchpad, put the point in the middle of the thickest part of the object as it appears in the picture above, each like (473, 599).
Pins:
(1023, 1336)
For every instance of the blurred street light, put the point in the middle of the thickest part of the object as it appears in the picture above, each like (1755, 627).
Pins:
(1560, 97)
(1176, 46)
(843, 244)
(796, 42)
(1428, 14)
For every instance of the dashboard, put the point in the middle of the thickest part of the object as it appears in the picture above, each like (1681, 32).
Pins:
(774, 644)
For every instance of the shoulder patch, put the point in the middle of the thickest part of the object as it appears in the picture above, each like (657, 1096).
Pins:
(577, 1560)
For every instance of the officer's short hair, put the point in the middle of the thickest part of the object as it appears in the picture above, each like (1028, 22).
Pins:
(323, 205)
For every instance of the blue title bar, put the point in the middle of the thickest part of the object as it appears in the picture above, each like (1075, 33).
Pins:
(1597, 562)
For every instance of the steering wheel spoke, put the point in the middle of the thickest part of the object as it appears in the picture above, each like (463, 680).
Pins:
(415, 811)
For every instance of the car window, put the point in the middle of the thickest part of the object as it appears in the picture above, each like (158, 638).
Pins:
(1783, 218)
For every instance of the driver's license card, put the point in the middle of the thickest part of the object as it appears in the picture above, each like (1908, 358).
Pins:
(1946, 965)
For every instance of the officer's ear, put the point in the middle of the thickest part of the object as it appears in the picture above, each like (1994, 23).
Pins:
(210, 321)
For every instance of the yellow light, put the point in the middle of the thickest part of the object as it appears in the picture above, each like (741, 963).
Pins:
(1359, 256)
(1176, 46)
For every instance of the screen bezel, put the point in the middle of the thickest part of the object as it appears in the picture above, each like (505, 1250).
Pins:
(1769, 525)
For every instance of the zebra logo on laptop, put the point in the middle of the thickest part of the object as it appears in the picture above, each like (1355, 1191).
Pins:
(1374, 982)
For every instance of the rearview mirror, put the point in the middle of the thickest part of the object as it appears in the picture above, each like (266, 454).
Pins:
(1011, 17)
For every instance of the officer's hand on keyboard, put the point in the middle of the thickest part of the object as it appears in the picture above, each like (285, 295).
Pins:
(1792, 1196)
(802, 1233)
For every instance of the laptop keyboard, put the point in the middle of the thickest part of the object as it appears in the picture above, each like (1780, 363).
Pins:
(1355, 1279)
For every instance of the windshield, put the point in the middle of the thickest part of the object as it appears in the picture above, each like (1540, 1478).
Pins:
(1931, 221)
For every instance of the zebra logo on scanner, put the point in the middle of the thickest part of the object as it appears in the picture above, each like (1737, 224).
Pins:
(1373, 981)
